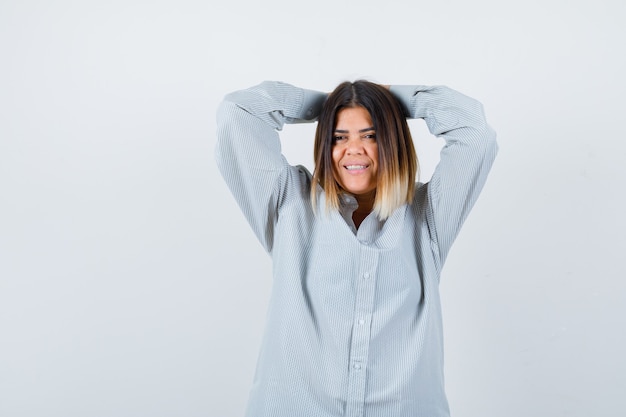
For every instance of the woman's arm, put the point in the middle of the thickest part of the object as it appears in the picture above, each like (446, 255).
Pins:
(248, 151)
(466, 158)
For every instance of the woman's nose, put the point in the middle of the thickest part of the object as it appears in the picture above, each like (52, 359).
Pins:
(355, 147)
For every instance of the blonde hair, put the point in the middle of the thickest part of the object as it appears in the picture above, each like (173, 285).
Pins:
(397, 160)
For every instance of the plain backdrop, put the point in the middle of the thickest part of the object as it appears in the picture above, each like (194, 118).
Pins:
(130, 283)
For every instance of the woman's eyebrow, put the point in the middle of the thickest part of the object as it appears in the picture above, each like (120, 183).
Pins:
(367, 129)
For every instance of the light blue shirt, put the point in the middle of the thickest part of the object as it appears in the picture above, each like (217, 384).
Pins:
(354, 325)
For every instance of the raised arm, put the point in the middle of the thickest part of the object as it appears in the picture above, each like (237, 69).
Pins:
(466, 158)
(248, 151)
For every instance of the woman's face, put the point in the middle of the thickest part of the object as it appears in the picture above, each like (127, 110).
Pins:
(355, 151)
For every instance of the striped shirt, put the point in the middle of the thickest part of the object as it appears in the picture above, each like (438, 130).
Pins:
(354, 326)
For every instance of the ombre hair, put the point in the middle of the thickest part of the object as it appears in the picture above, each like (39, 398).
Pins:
(397, 161)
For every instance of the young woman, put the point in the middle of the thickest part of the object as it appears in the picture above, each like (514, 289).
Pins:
(354, 324)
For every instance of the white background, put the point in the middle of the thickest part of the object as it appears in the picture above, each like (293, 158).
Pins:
(130, 284)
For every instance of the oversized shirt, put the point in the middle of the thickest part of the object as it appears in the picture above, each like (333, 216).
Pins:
(354, 326)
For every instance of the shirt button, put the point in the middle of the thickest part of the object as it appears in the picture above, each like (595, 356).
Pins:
(357, 366)
(361, 321)
(366, 275)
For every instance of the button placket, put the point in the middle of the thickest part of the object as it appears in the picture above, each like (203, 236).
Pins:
(359, 346)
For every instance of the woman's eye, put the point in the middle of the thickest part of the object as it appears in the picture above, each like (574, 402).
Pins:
(338, 138)
(370, 136)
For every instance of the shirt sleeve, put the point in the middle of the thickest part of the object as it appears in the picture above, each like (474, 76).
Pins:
(248, 151)
(465, 160)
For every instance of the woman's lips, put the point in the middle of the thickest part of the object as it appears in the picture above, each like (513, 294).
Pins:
(356, 167)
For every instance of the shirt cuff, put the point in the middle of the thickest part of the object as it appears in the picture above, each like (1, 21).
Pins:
(312, 103)
(405, 94)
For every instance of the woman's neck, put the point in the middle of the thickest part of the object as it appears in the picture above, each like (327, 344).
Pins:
(366, 204)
